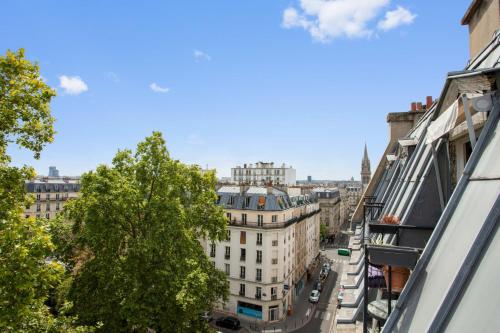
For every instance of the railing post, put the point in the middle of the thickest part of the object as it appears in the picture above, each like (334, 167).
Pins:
(389, 305)
(365, 298)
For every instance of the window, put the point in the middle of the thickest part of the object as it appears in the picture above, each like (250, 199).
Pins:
(242, 272)
(228, 215)
(262, 201)
(247, 202)
(212, 250)
(227, 255)
(258, 292)
(227, 269)
(47, 196)
(243, 254)
(258, 275)
(231, 201)
(47, 216)
(26, 216)
(274, 218)
(275, 242)
(274, 293)
(56, 188)
(244, 218)
(228, 235)
(38, 197)
(243, 237)
(259, 256)
(37, 216)
(218, 200)
(242, 289)
(259, 238)
(57, 205)
(260, 220)
(47, 207)
(57, 196)
(274, 279)
(275, 261)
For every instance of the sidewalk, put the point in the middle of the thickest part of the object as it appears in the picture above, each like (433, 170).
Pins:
(302, 313)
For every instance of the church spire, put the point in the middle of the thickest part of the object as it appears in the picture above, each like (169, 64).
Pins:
(366, 173)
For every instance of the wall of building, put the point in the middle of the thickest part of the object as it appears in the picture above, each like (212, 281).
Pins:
(484, 21)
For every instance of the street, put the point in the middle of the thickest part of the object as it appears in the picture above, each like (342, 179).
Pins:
(309, 317)
(324, 312)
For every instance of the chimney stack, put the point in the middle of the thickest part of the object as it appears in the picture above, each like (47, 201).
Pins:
(413, 106)
(419, 106)
(428, 102)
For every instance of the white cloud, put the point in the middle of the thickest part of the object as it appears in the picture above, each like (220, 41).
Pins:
(157, 89)
(395, 18)
(200, 55)
(72, 85)
(329, 19)
(113, 77)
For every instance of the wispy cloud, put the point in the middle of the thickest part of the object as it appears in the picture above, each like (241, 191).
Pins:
(195, 140)
(157, 89)
(395, 18)
(72, 85)
(113, 77)
(326, 20)
(200, 56)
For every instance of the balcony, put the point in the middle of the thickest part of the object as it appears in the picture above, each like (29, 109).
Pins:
(275, 261)
(259, 261)
(212, 254)
(242, 293)
(259, 242)
(258, 296)
(274, 279)
(242, 275)
(227, 256)
(274, 297)
(243, 258)
(258, 278)
(273, 225)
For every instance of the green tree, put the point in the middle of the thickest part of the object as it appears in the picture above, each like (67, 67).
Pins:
(137, 258)
(26, 272)
(322, 231)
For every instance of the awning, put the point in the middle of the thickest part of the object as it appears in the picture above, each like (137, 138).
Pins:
(444, 123)
(391, 157)
(408, 142)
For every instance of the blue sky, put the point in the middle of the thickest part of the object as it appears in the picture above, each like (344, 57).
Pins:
(305, 83)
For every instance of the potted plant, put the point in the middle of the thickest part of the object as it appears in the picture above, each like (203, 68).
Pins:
(399, 274)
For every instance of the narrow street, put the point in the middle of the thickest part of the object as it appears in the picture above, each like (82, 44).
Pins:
(324, 313)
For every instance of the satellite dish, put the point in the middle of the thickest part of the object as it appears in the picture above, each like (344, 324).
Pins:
(482, 104)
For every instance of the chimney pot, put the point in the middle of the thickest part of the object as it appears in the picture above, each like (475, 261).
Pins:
(419, 106)
(428, 102)
(413, 106)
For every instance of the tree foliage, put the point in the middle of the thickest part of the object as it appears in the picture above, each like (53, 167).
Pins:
(26, 272)
(135, 243)
(24, 105)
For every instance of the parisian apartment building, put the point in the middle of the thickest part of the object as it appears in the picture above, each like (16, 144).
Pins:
(273, 241)
(263, 173)
(329, 202)
(51, 193)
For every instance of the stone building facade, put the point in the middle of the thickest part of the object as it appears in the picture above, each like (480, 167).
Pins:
(273, 241)
(263, 173)
(329, 203)
(50, 194)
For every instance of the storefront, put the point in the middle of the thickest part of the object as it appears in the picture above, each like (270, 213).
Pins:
(250, 310)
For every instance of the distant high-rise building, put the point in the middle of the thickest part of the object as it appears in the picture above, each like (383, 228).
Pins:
(366, 173)
(309, 179)
(53, 172)
(263, 173)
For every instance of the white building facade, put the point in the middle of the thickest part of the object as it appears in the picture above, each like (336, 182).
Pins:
(273, 240)
(263, 173)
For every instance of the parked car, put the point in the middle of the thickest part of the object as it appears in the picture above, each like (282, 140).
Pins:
(206, 316)
(324, 273)
(326, 266)
(318, 286)
(228, 322)
(314, 297)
